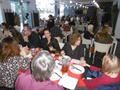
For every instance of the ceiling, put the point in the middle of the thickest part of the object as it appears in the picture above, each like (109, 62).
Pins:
(83, 2)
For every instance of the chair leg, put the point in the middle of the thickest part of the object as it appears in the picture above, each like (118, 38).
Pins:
(84, 52)
(89, 54)
(93, 58)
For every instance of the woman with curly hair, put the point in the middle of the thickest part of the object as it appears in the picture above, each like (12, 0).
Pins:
(74, 48)
(11, 62)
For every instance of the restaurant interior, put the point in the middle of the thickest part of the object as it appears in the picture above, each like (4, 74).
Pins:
(59, 41)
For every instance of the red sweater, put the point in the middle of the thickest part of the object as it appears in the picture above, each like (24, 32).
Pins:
(102, 80)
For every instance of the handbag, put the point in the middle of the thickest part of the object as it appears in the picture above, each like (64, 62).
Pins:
(93, 73)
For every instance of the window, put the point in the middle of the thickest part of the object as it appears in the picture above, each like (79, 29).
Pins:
(45, 8)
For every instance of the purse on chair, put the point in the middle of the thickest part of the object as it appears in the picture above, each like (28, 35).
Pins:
(93, 73)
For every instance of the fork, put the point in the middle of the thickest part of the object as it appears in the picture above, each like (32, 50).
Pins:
(73, 67)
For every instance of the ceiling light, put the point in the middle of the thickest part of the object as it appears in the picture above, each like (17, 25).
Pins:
(70, 1)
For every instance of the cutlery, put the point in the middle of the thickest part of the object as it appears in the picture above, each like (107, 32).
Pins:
(75, 68)
(58, 75)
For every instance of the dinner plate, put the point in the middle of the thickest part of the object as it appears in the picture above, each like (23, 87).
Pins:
(57, 74)
(75, 61)
(74, 69)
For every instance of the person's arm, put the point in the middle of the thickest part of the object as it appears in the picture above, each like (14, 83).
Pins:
(83, 63)
(56, 45)
(34, 41)
(95, 82)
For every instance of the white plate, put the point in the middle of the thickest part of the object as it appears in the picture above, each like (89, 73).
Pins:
(54, 76)
(75, 61)
(74, 70)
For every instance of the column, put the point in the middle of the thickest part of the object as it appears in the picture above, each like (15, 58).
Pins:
(57, 8)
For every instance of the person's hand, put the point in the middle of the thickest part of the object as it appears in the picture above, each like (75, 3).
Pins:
(25, 38)
(51, 48)
(82, 59)
(62, 52)
(22, 52)
(83, 62)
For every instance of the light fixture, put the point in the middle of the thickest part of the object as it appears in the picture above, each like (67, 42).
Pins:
(70, 1)
(95, 4)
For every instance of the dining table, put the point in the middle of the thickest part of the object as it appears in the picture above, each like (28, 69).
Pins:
(70, 79)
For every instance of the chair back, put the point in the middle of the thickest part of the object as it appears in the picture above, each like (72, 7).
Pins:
(100, 47)
(85, 41)
(61, 45)
(58, 38)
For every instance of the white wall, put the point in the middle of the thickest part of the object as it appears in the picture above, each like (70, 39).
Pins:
(5, 4)
(117, 28)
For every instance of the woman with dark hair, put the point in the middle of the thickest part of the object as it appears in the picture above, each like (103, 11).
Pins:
(50, 43)
(11, 62)
(5, 31)
(74, 48)
(16, 35)
(39, 79)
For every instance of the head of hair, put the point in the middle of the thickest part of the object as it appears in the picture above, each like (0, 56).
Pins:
(42, 66)
(73, 38)
(110, 64)
(104, 29)
(16, 19)
(5, 25)
(47, 29)
(90, 27)
(28, 27)
(15, 34)
(10, 48)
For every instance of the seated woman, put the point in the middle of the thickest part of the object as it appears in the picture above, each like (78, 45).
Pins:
(74, 48)
(39, 79)
(103, 36)
(11, 62)
(16, 35)
(5, 30)
(110, 69)
(89, 33)
(50, 43)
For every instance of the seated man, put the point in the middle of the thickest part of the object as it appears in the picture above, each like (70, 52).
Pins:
(31, 39)
(56, 31)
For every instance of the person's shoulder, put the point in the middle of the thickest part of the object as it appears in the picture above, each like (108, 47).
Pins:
(56, 87)
(81, 45)
(24, 77)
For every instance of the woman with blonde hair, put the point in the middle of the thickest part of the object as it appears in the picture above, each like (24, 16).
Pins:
(74, 48)
(110, 69)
